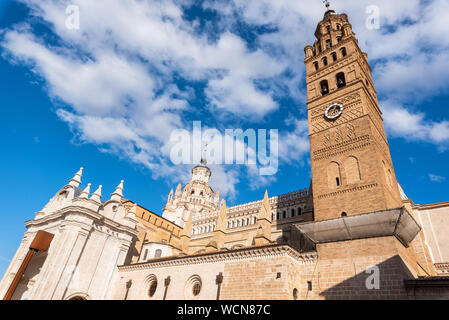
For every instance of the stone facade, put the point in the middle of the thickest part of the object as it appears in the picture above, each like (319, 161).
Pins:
(268, 268)
(90, 239)
(353, 234)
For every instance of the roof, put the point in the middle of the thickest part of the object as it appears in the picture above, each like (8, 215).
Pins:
(427, 282)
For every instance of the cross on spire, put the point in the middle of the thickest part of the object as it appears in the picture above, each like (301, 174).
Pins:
(203, 155)
(327, 4)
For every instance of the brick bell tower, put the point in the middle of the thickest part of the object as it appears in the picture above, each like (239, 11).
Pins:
(352, 170)
(360, 220)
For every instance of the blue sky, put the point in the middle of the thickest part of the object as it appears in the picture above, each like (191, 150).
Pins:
(107, 96)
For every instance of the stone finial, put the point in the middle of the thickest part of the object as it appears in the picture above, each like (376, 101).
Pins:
(178, 190)
(217, 197)
(118, 193)
(265, 210)
(186, 234)
(220, 227)
(264, 222)
(97, 195)
(76, 180)
(187, 230)
(222, 218)
(86, 192)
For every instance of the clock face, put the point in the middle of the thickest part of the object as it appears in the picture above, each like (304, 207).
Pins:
(333, 111)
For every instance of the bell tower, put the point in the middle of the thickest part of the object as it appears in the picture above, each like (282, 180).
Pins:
(352, 170)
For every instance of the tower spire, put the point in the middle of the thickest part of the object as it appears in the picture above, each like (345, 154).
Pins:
(97, 195)
(332, 93)
(86, 192)
(264, 222)
(76, 180)
(118, 193)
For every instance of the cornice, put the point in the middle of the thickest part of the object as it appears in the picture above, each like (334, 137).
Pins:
(331, 67)
(431, 205)
(77, 210)
(237, 254)
(329, 97)
(326, 51)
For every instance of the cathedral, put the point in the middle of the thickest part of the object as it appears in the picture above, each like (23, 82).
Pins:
(352, 234)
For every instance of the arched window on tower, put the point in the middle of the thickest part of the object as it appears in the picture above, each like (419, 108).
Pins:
(299, 211)
(352, 170)
(158, 253)
(338, 27)
(341, 81)
(343, 52)
(324, 61)
(328, 44)
(386, 172)
(328, 29)
(333, 175)
(390, 178)
(334, 56)
(293, 212)
(324, 87)
(316, 66)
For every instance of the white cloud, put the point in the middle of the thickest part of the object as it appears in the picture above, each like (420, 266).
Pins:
(414, 126)
(413, 79)
(436, 178)
(114, 80)
(224, 180)
(294, 146)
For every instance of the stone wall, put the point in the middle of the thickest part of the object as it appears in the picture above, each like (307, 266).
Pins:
(268, 272)
(342, 269)
(434, 219)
